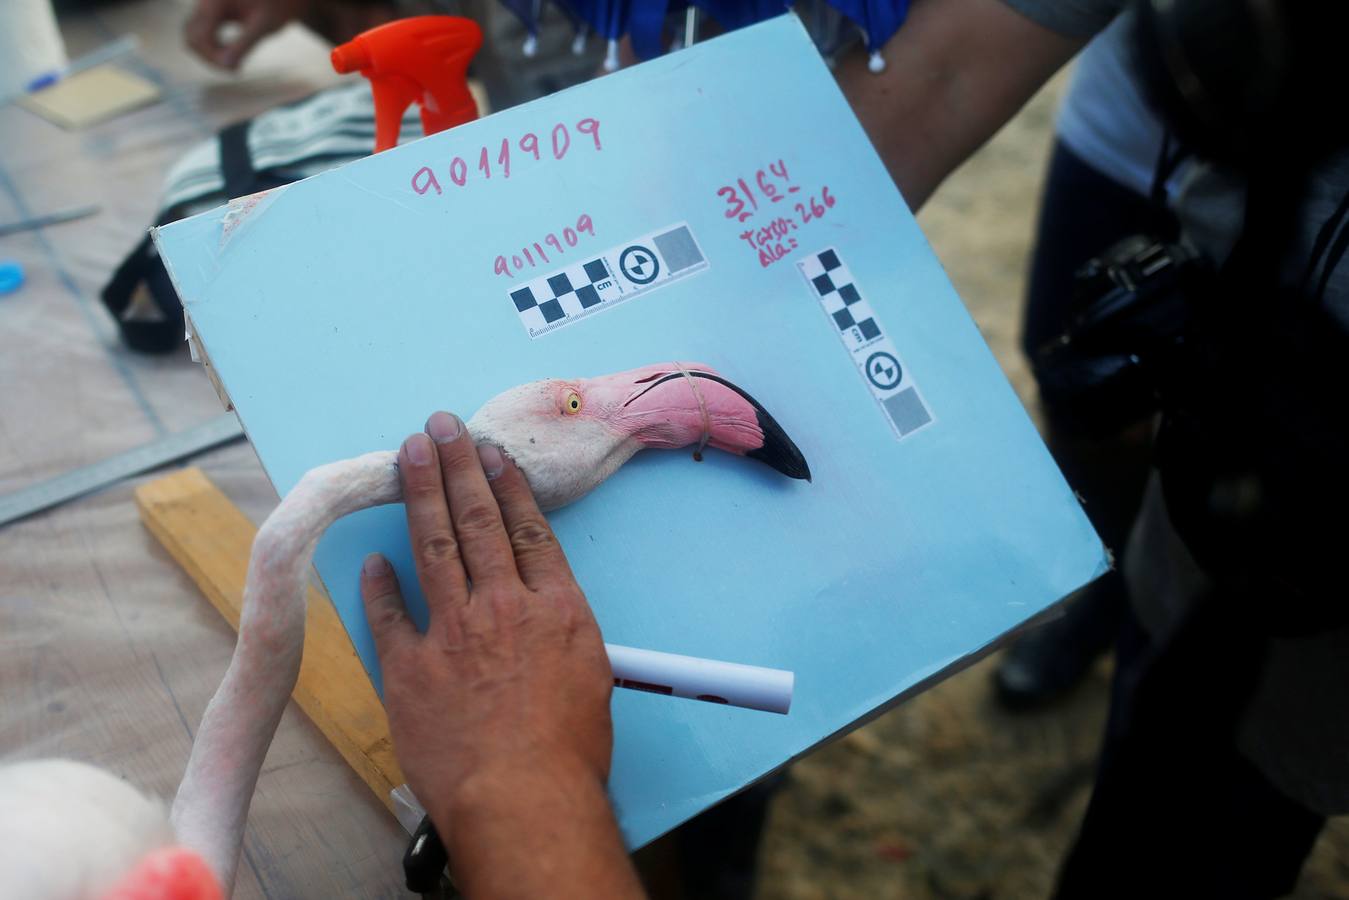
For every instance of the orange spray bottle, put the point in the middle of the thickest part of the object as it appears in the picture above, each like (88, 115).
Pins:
(422, 60)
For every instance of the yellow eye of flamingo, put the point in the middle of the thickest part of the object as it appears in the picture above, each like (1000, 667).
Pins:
(573, 403)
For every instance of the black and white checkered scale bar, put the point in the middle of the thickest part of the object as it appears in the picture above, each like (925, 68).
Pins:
(872, 350)
(568, 293)
(842, 300)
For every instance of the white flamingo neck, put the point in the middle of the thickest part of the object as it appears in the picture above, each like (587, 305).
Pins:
(211, 807)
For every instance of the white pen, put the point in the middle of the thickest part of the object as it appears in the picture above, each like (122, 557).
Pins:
(710, 680)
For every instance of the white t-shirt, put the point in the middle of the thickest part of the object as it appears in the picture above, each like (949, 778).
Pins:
(1104, 119)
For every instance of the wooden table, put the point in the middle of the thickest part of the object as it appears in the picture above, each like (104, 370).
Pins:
(108, 653)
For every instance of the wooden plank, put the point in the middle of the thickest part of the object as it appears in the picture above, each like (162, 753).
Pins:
(210, 538)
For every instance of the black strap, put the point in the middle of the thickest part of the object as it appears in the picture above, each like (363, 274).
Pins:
(142, 264)
(143, 267)
(425, 859)
(1169, 157)
(236, 163)
(1323, 237)
(117, 292)
(1334, 253)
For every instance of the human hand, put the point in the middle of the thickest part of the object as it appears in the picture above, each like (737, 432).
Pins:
(500, 712)
(256, 19)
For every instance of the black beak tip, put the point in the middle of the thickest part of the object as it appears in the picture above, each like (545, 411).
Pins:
(778, 450)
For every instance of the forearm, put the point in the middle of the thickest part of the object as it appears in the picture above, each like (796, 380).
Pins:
(955, 73)
(532, 834)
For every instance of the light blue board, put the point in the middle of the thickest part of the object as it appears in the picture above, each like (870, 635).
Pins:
(342, 310)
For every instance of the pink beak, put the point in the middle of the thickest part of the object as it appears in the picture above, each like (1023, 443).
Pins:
(668, 406)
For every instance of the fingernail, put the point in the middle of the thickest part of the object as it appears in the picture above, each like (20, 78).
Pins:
(492, 460)
(444, 427)
(375, 564)
(419, 449)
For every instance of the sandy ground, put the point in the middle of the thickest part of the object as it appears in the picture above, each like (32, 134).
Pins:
(949, 796)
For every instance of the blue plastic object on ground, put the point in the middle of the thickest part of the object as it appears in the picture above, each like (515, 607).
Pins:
(11, 276)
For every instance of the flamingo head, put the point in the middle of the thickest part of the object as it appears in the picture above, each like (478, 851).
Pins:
(568, 435)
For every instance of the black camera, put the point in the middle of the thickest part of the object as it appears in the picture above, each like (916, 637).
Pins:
(1243, 370)
(1253, 435)
(1111, 365)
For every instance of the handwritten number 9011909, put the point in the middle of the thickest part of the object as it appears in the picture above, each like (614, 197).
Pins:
(497, 158)
(512, 265)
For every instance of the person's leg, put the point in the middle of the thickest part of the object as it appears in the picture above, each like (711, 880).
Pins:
(719, 849)
(1082, 213)
(713, 856)
(1267, 836)
(1176, 809)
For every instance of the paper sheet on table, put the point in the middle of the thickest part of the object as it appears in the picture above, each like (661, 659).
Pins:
(92, 96)
(719, 205)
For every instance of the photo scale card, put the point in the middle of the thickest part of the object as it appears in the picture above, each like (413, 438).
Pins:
(697, 210)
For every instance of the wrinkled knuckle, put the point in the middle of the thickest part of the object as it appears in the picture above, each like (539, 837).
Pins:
(478, 518)
(437, 548)
(532, 536)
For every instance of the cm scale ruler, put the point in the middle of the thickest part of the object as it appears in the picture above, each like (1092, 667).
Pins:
(222, 429)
